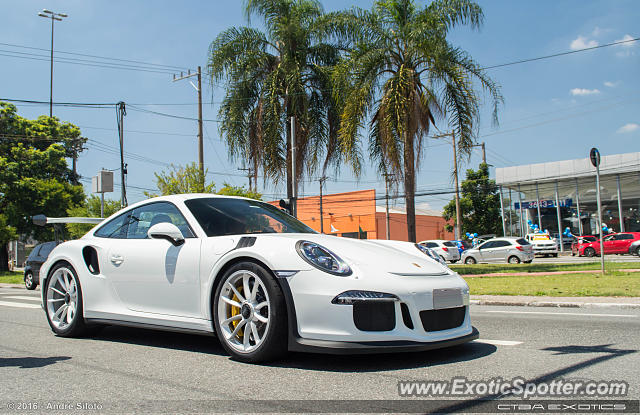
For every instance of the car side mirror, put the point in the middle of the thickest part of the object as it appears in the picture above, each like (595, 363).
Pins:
(168, 231)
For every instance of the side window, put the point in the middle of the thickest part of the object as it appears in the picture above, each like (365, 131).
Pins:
(144, 217)
(431, 245)
(503, 243)
(486, 245)
(115, 228)
(625, 236)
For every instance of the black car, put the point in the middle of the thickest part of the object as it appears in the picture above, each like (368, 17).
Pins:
(35, 260)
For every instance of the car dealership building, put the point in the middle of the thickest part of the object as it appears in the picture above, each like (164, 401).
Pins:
(562, 194)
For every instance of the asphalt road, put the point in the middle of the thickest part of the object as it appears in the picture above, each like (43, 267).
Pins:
(133, 369)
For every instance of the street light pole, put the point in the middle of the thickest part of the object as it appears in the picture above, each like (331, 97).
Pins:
(53, 16)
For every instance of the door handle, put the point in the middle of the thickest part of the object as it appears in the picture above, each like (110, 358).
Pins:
(117, 259)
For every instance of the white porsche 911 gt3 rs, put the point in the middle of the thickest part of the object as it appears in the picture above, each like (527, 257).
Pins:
(259, 279)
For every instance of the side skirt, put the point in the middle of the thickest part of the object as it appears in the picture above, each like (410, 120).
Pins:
(112, 322)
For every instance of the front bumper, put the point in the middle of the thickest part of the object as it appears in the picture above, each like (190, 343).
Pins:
(315, 324)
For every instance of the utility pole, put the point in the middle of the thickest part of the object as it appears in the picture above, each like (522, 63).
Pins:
(321, 180)
(294, 185)
(386, 200)
(53, 16)
(484, 151)
(455, 178)
(120, 113)
(198, 88)
(250, 172)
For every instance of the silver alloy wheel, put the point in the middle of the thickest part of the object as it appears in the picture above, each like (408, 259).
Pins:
(62, 298)
(244, 311)
(28, 280)
(514, 260)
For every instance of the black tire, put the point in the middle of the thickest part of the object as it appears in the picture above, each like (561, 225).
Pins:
(590, 252)
(470, 261)
(638, 251)
(29, 282)
(454, 261)
(528, 262)
(78, 327)
(275, 341)
(554, 255)
(513, 259)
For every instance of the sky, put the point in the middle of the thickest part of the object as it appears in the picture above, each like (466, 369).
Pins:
(555, 109)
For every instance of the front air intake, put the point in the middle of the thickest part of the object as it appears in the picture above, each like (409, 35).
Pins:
(374, 315)
(443, 319)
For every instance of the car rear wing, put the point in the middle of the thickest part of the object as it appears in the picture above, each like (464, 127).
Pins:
(42, 220)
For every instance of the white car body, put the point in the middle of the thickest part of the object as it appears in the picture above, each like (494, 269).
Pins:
(447, 253)
(542, 243)
(502, 249)
(153, 283)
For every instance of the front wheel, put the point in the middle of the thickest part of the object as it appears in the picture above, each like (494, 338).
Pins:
(590, 252)
(63, 302)
(513, 260)
(528, 262)
(250, 314)
(29, 282)
(470, 260)
(554, 255)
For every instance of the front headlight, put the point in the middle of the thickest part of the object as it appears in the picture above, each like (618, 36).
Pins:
(431, 253)
(323, 259)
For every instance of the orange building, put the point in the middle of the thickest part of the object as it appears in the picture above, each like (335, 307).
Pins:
(355, 215)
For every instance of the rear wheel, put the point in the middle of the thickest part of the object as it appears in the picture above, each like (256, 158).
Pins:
(528, 262)
(250, 314)
(470, 260)
(590, 252)
(554, 255)
(63, 302)
(29, 282)
(513, 260)
(637, 251)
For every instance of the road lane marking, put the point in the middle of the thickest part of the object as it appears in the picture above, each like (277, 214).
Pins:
(498, 342)
(20, 305)
(560, 313)
(21, 297)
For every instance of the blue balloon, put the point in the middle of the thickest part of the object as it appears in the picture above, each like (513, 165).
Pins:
(468, 234)
(475, 235)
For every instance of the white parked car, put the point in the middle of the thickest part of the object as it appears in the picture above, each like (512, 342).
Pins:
(255, 277)
(505, 249)
(447, 250)
(543, 244)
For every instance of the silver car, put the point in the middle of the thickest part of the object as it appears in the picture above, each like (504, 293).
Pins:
(506, 249)
(447, 250)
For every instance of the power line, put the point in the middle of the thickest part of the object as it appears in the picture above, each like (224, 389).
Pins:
(63, 104)
(560, 54)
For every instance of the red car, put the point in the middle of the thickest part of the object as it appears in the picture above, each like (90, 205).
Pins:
(615, 243)
(580, 242)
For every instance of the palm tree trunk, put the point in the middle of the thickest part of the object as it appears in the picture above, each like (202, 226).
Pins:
(409, 186)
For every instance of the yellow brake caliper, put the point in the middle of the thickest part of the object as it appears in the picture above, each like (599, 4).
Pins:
(236, 311)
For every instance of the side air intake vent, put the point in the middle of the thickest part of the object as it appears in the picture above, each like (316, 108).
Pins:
(91, 259)
(246, 242)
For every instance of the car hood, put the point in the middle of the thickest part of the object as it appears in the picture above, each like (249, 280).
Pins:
(395, 257)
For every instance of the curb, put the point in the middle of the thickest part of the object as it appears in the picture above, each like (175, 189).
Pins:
(565, 304)
(8, 285)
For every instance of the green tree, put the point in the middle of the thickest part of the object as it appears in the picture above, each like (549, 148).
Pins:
(34, 176)
(182, 180)
(186, 179)
(479, 204)
(401, 75)
(272, 76)
(89, 209)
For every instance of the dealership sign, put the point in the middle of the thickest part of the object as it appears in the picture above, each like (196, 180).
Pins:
(533, 204)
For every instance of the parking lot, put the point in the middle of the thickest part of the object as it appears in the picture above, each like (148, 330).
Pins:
(125, 369)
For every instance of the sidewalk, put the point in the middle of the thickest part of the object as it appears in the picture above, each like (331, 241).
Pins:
(533, 274)
(572, 302)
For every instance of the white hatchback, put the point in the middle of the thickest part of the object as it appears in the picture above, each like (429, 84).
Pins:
(448, 250)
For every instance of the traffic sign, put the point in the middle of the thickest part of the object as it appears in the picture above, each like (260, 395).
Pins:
(594, 155)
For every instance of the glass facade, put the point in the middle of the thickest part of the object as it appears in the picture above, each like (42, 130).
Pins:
(578, 204)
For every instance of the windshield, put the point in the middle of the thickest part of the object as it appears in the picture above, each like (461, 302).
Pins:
(229, 216)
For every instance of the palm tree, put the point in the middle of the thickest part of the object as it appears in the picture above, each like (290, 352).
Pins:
(402, 75)
(273, 76)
